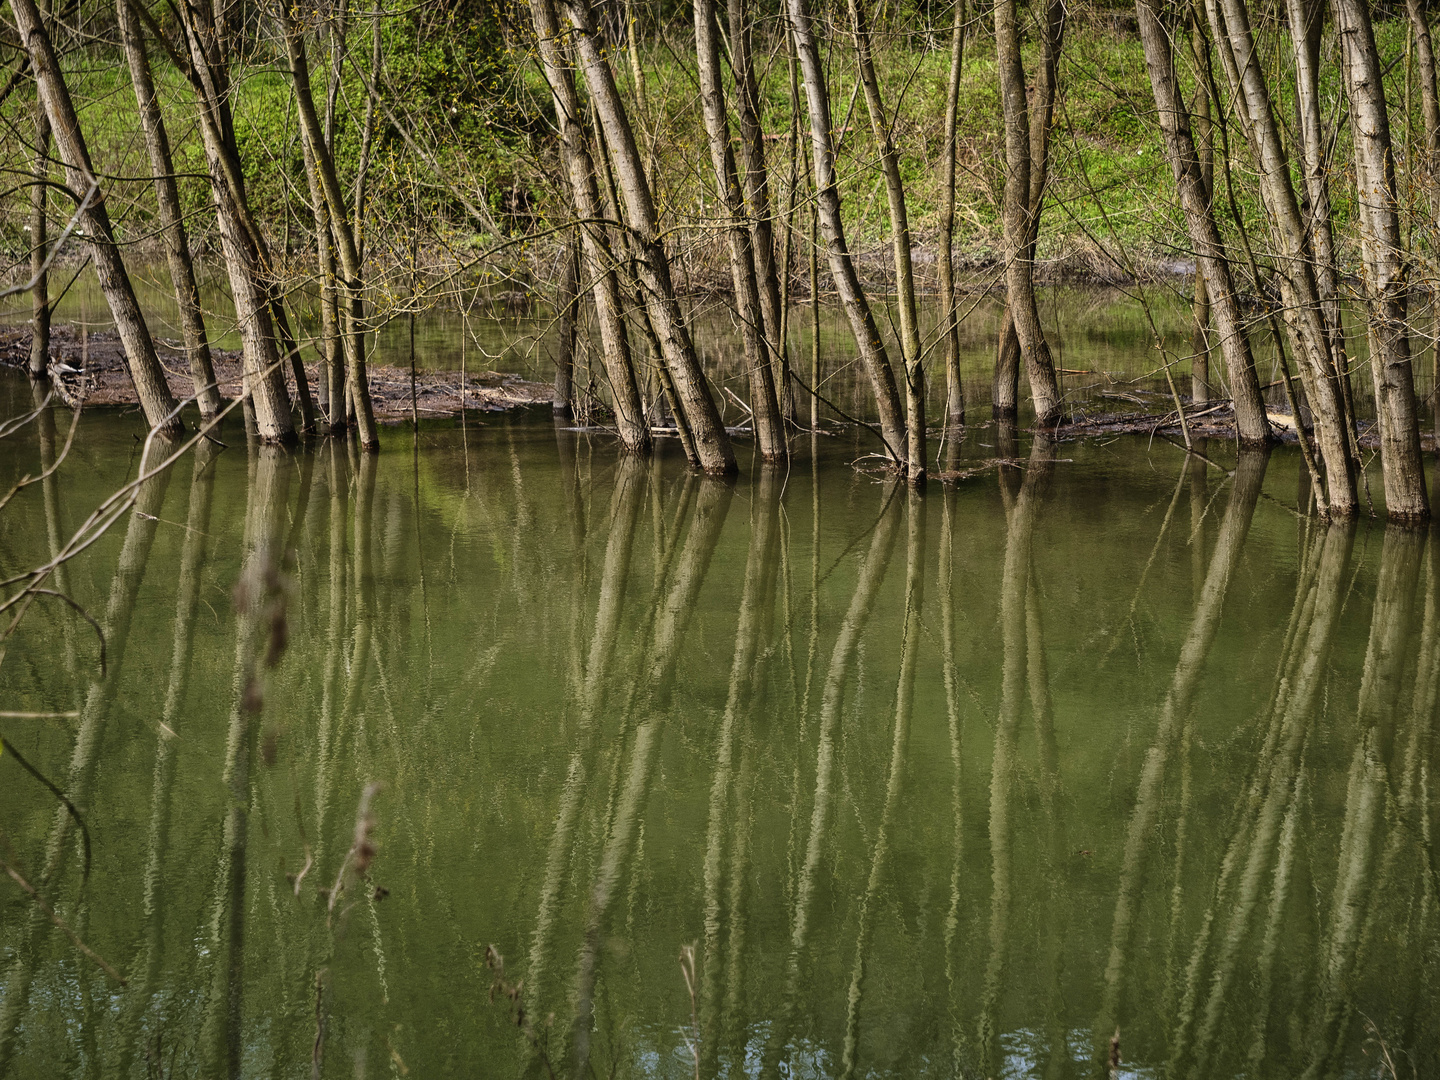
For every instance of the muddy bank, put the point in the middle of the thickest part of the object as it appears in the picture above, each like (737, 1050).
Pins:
(90, 369)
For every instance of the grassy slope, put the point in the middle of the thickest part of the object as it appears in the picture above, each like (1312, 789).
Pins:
(1111, 187)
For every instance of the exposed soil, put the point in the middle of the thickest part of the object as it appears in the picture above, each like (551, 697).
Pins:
(101, 377)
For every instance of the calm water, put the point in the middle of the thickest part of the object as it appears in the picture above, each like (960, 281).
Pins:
(959, 785)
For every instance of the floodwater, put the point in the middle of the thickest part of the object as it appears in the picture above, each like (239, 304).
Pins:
(1105, 745)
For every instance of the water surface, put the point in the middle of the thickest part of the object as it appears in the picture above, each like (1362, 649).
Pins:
(959, 785)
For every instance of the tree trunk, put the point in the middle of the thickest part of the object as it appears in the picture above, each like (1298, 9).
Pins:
(172, 223)
(910, 353)
(599, 259)
(1200, 389)
(240, 241)
(1020, 218)
(712, 442)
(757, 197)
(1212, 266)
(345, 242)
(954, 388)
(868, 343)
(769, 428)
(567, 303)
(1005, 392)
(1387, 271)
(332, 379)
(40, 247)
(1429, 100)
(1304, 319)
(146, 373)
(1306, 23)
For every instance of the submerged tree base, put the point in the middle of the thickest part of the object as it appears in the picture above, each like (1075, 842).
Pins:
(91, 369)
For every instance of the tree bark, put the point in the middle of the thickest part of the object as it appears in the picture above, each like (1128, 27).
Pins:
(757, 196)
(1213, 267)
(712, 442)
(567, 303)
(594, 236)
(769, 428)
(1429, 99)
(1304, 318)
(873, 357)
(1387, 271)
(1024, 175)
(40, 247)
(910, 354)
(345, 242)
(954, 388)
(240, 241)
(156, 400)
(172, 223)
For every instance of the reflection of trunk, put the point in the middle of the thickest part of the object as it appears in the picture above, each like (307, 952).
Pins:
(1014, 584)
(145, 370)
(1027, 138)
(338, 482)
(599, 260)
(144, 972)
(1387, 284)
(94, 712)
(625, 503)
(911, 364)
(904, 703)
(1369, 791)
(172, 224)
(1304, 318)
(1249, 474)
(769, 433)
(1213, 282)
(954, 389)
(873, 357)
(869, 577)
(221, 1042)
(712, 443)
(952, 711)
(1298, 682)
(657, 679)
(725, 807)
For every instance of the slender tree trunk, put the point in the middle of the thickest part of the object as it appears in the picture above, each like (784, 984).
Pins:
(712, 442)
(172, 223)
(40, 248)
(1304, 318)
(567, 303)
(1020, 215)
(595, 237)
(240, 241)
(954, 387)
(757, 197)
(873, 357)
(1387, 271)
(769, 427)
(1200, 389)
(1306, 25)
(146, 373)
(332, 379)
(1429, 98)
(346, 245)
(1213, 267)
(910, 355)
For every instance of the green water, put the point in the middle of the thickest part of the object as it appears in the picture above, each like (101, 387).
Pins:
(944, 786)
